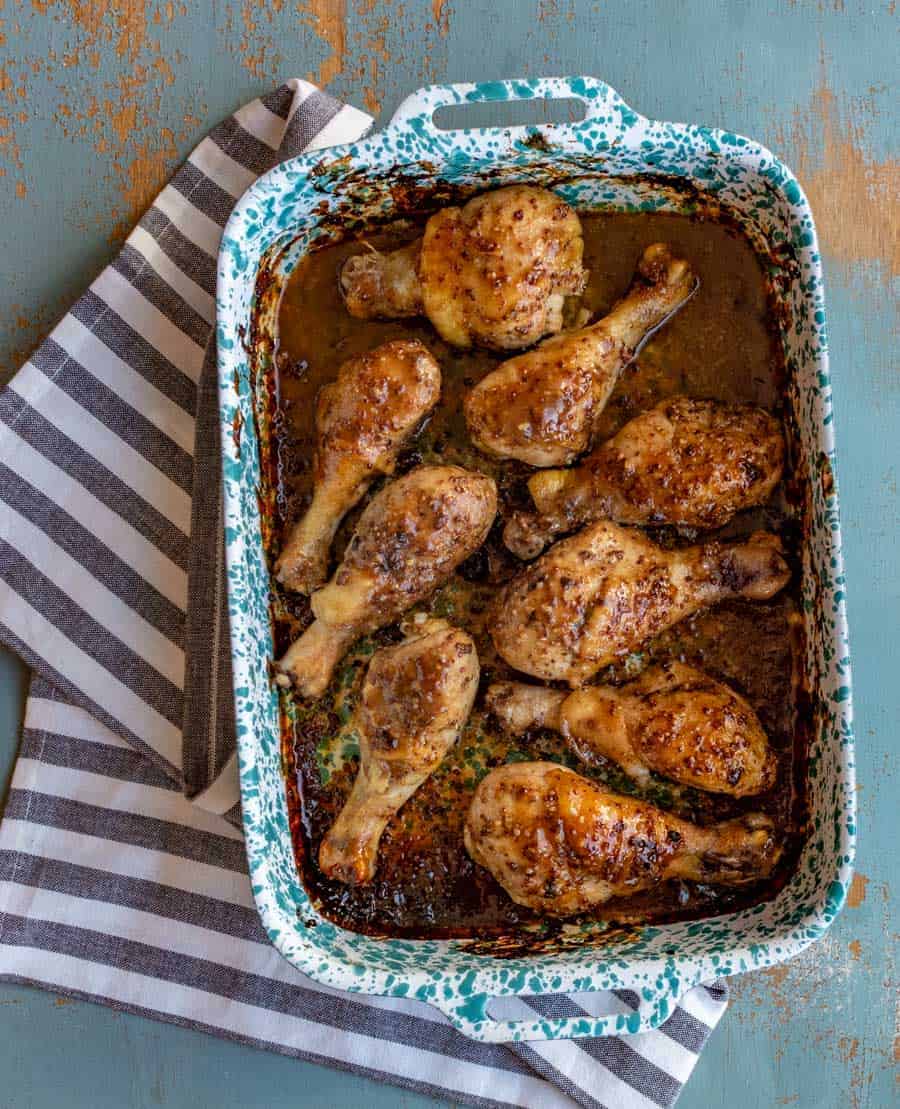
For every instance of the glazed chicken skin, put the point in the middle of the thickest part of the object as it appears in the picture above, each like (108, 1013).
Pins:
(416, 699)
(493, 273)
(563, 845)
(600, 594)
(673, 720)
(408, 541)
(541, 407)
(687, 462)
(363, 419)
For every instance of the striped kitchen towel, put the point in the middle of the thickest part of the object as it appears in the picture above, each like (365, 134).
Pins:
(122, 871)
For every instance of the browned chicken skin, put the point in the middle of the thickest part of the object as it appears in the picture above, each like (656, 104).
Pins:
(415, 701)
(492, 273)
(541, 407)
(689, 462)
(408, 541)
(674, 720)
(602, 593)
(562, 845)
(363, 419)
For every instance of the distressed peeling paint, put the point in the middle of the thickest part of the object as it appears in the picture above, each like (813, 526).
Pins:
(440, 12)
(258, 46)
(375, 21)
(119, 23)
(855, 197)
(328, 19)
(857, 892)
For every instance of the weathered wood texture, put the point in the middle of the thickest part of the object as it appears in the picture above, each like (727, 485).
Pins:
(100, 99)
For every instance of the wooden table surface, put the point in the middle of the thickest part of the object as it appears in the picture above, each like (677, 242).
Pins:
(101, 99)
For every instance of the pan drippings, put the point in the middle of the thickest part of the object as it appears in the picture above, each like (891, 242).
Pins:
(722, 345)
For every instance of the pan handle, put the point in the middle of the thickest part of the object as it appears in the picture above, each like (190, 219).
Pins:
(607, 116)
(602, 1014)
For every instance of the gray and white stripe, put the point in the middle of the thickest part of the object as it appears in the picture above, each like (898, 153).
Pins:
(122, 871)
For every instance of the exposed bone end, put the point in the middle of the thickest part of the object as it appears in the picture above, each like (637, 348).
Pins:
(745, 849)
(309, 662)
(382, 286)
(348, 853)
(420, 624)
(303, 570)
(754, 569)
(659, 266)
(547, 486)
(526, 535)
(519, 707)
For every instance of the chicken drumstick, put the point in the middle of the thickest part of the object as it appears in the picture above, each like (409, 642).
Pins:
(363, 419)
(674, 720)
(541, 407)
(408, 541)
(561, 844)
(689, 462)
(595, 597)
(494, 273)
(416, 699)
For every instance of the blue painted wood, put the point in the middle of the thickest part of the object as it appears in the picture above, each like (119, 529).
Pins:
(812, 78)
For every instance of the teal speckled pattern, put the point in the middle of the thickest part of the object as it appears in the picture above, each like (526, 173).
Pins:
(601, 162)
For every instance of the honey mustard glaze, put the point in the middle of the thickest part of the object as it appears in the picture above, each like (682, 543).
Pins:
(723, 344)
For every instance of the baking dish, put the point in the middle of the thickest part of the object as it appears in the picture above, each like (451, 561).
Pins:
(613, 159)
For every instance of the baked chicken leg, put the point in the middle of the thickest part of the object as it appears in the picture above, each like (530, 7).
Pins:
(494, 272)
(674, 720)
(408, 541)
(689, 462)
(416, 699)
(541, 407)
(562, 845)
(597, 596)
(363, 419)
